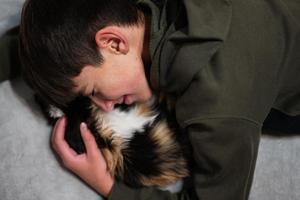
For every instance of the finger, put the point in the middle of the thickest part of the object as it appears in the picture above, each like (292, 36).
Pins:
(54, 131)
(57, 124)
(89, 141)
(58, 141)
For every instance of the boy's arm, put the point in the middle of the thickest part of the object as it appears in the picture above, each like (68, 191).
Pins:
(224, 151)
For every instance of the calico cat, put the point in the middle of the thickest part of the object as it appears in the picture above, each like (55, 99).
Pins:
(140, 145)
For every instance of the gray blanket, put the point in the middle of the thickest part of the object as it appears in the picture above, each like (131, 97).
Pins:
(28, 168)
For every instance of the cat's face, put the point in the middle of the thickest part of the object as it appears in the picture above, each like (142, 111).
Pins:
(113, 84)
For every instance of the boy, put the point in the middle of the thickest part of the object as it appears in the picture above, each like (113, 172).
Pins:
(226, 64)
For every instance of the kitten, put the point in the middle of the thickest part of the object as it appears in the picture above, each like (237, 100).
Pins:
(140, 145)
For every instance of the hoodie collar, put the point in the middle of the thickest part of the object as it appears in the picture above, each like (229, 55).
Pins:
(201, 22)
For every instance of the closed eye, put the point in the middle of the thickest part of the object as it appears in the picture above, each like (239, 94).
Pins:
(98, 95)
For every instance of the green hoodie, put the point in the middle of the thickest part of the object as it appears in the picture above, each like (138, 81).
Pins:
(227, 63)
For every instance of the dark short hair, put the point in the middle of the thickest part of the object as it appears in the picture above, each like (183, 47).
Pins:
(57, 39)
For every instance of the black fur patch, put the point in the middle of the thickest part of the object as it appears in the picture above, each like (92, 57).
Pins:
(140, 158)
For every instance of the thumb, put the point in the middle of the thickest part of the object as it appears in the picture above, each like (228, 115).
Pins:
(89, 141)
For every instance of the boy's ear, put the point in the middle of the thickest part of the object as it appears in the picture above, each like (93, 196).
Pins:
(111, 39)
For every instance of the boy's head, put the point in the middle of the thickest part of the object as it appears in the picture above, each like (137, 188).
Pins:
(73, 47)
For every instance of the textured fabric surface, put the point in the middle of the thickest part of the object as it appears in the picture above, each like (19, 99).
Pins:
(30, 171)
(10, 11)
(277, 174)
(28, 168)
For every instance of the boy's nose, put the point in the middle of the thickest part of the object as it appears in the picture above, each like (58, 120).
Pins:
(108, 106)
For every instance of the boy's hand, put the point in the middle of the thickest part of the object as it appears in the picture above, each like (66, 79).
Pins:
(90, 166)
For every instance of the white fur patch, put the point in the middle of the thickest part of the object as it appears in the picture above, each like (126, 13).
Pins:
(125, 124)
(55, 112)
(173, 188)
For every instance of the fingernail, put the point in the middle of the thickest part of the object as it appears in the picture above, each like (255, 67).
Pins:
(83, 126)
